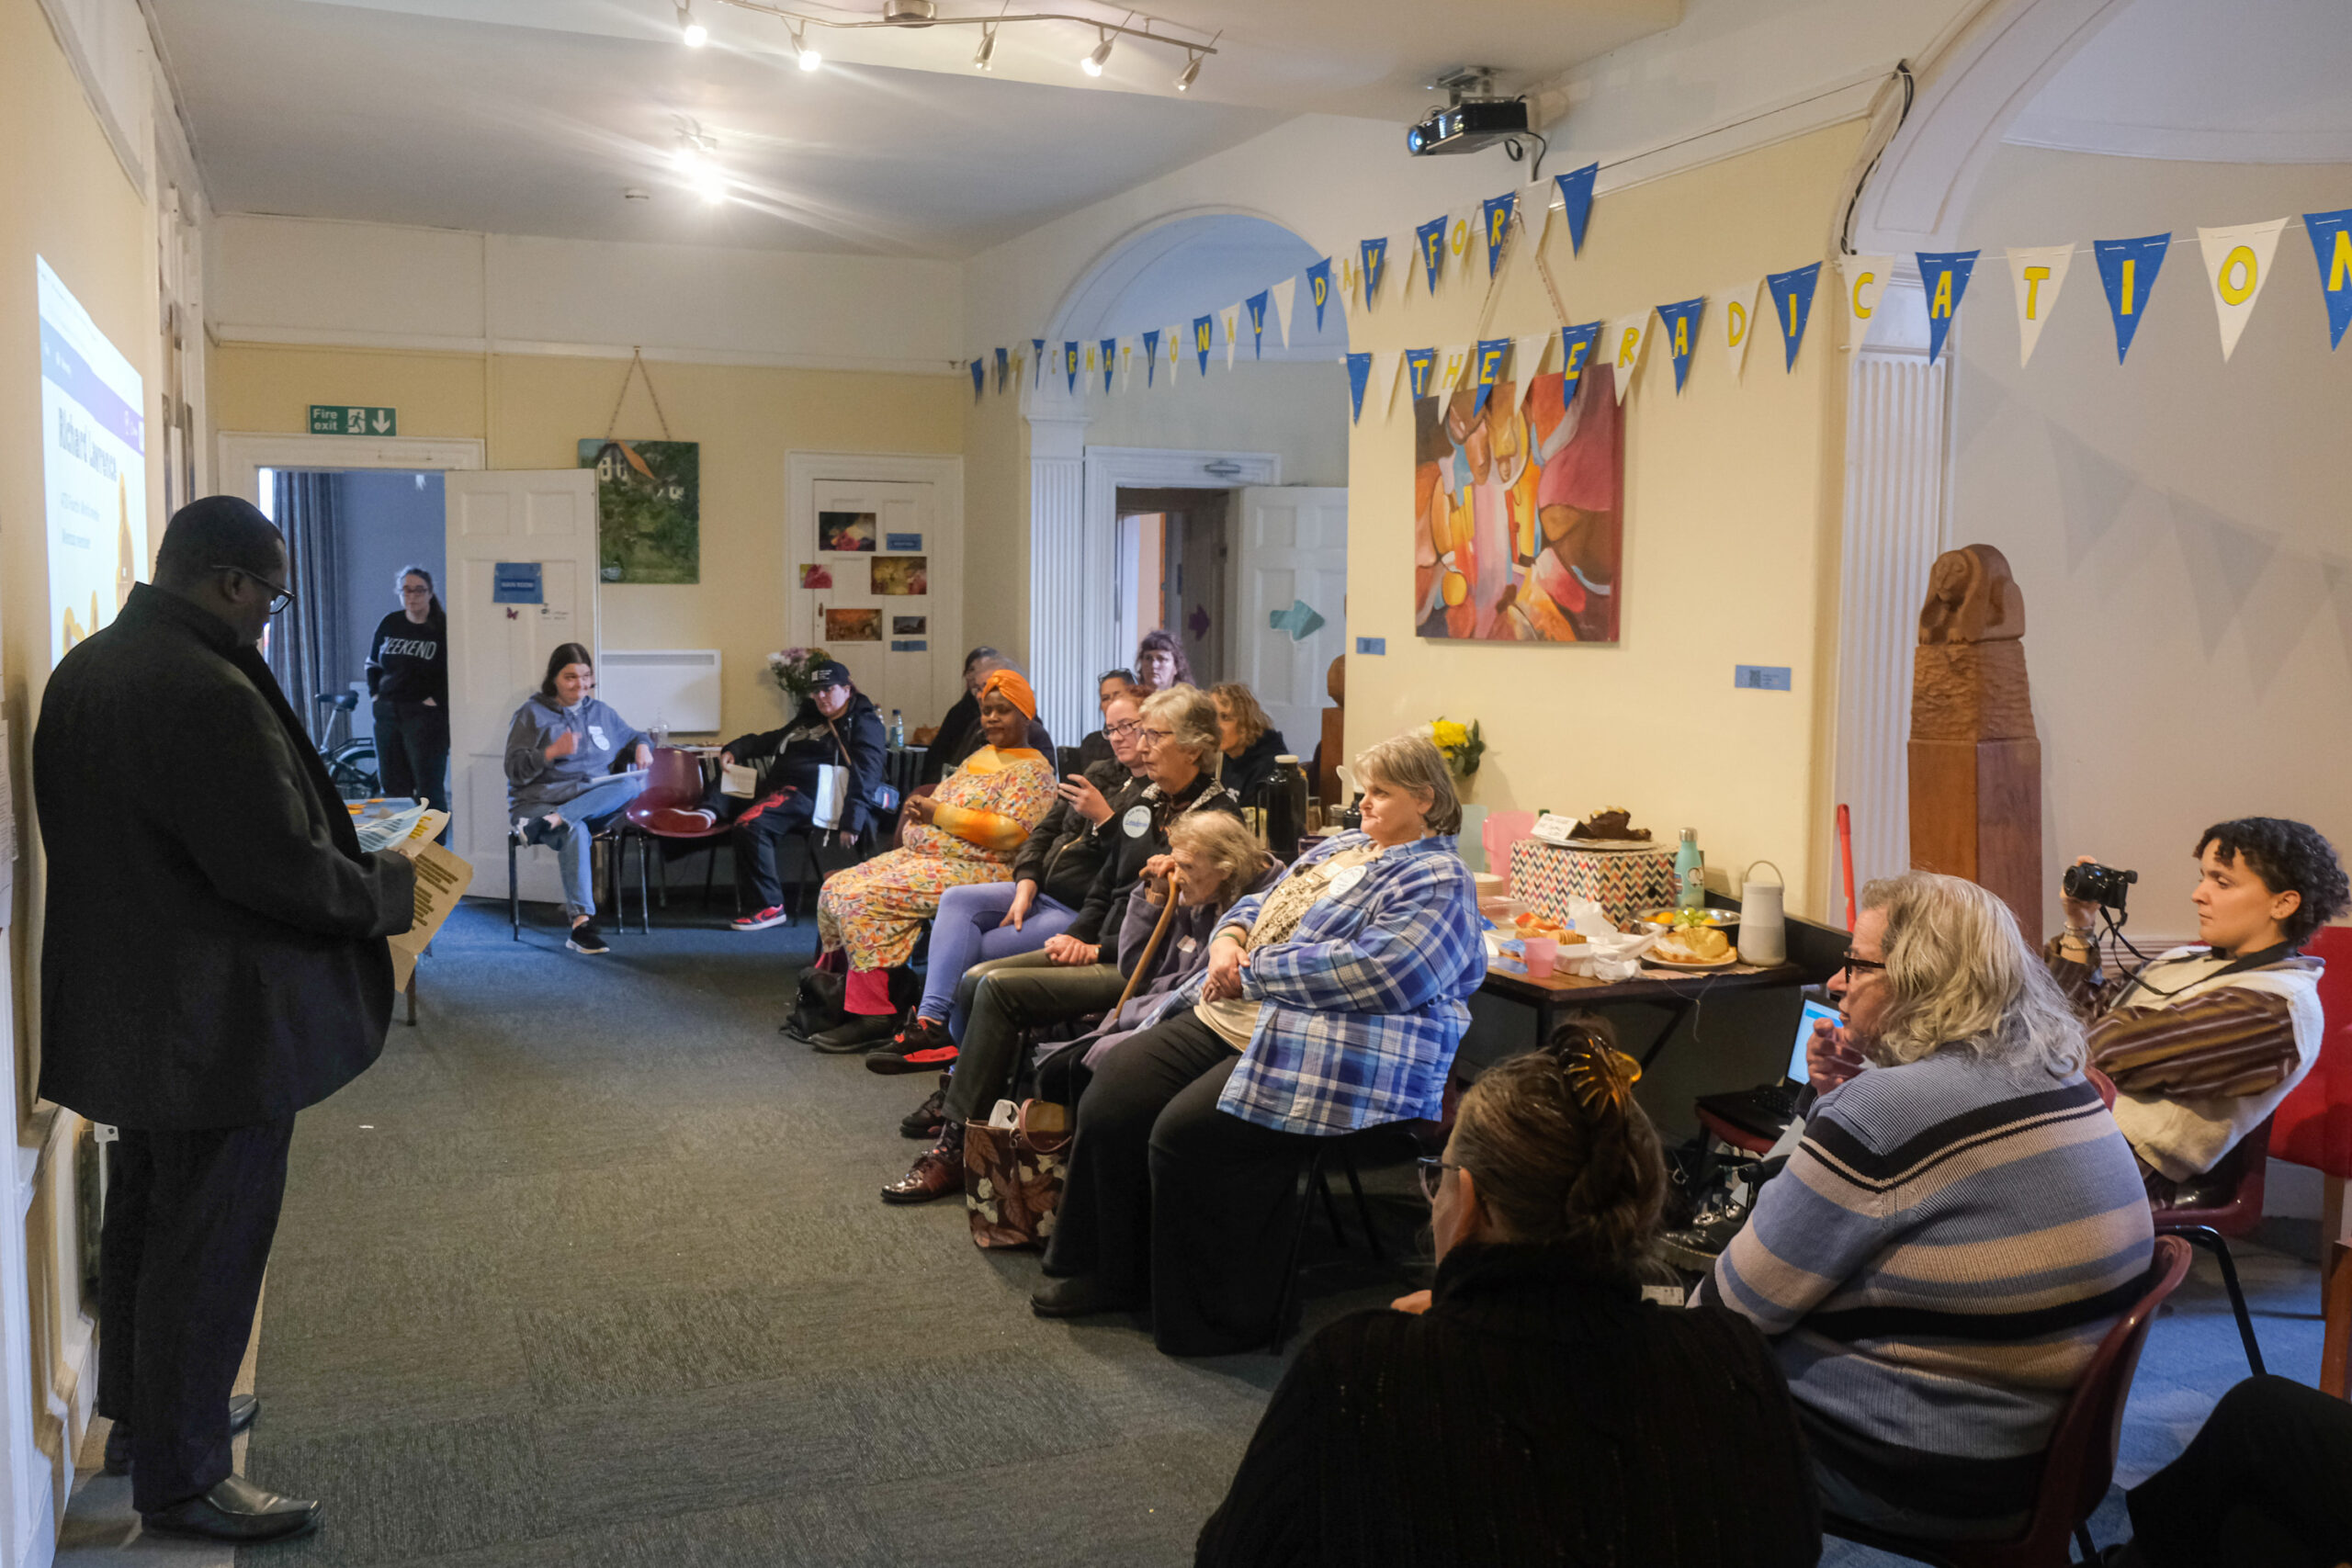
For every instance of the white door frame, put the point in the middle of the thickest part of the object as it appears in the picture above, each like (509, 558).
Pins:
(243, 455)
(946, 549)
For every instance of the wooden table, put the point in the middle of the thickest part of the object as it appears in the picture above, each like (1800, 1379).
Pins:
(1679, 990)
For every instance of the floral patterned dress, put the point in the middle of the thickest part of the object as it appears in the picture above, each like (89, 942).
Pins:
(986, 808)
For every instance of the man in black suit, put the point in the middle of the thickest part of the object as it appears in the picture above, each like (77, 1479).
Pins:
(213, 962)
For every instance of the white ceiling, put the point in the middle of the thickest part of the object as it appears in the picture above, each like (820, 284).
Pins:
(2208, 80)
(531, 116)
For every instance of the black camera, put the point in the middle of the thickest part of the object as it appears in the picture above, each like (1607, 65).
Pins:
(2095, 884)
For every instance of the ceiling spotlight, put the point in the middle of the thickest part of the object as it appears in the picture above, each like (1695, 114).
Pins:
(986, 53)
(810, 59)
(695, 34)
(1190, 74)
(1092, 63)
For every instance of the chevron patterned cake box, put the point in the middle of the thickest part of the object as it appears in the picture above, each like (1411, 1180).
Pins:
(1545, 876)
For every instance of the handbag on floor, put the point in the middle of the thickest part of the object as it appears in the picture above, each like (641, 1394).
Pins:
(1012, 1175)
(819, 1005)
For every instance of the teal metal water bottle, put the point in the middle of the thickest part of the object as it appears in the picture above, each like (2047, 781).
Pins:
(1689, 872)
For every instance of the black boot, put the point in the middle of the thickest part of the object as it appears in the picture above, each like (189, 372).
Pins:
(862, 1031)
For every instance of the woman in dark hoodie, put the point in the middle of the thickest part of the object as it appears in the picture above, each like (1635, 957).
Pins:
(1251, 741)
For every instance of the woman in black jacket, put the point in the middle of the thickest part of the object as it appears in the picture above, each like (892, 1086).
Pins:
(1532, 1407)
(1250, 741)
(836, 726)
(408, 676)
(1077, 971)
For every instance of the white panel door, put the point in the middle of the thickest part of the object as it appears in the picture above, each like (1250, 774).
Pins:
(498, 653)
(890, 639)
(1290, 550)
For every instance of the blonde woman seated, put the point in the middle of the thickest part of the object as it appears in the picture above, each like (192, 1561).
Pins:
(964, 834)
(1249, 740)
(1532, 1407)
(1335, 1002)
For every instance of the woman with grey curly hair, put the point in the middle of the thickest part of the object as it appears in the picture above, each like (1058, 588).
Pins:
(1960, 1226)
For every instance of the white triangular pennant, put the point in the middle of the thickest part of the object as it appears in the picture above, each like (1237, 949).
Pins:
(1734, 321)
(2038, 272)
(2237, 263)
(1527, 359)
(1864, 280)
(1453, 363)
(1232, 314)
(1624, 339)
(1461, 244)
(1285, 295)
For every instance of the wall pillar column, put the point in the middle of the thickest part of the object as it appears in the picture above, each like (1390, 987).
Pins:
(1058, 577)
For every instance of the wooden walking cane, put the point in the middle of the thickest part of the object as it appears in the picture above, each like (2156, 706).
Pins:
(1151, 948)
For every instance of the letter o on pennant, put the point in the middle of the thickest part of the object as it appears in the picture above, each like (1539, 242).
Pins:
(2236, 280)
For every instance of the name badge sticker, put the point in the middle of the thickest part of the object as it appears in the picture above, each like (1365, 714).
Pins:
(1186, 944)
(596, 734)
(1345, 882)
(1137, 822)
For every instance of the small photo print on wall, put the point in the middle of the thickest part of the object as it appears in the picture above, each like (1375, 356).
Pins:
(853, 625)
(816, 575)
(846, 531)
(896, 576)
(911, 626)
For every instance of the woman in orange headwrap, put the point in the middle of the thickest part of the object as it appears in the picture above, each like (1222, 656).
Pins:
(966, 833)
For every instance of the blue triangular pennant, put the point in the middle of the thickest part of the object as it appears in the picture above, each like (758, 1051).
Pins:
(1203, 339)
(1944, 274)
(1359, 379)
(980, 379)
(1421, 370)
(1682, 321)
(1003, 367)
(1792, 306)
(1428, 239)
(1576, 198)
(1488, 368)
(1319, 289)
(1576, 350)
(1256, 306)
(1375, 267)
(2331, 235)
(1150, 356)
(1493, 216)
(1069, 362)
(1109, 360)
(2128, 270)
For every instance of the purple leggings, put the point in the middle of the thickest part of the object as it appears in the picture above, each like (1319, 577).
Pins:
(969, 928)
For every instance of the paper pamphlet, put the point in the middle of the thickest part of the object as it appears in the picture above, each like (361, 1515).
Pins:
(738, 781)
(441, 880)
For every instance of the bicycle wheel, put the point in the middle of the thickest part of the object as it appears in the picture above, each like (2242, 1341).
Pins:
(352, 770)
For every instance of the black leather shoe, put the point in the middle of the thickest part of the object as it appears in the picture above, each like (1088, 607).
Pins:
(856, 1035)
(243, 1408)
(238, 1511)
(1080, 1295)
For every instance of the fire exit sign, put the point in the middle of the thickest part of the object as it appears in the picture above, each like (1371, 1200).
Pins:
(350, 418)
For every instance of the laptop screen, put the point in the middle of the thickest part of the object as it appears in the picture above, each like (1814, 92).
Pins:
(1814, 1012)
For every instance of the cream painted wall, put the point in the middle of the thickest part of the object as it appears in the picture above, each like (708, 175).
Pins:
(1299, 411)
(2177, 525)
(1731, 526)
(534, 410)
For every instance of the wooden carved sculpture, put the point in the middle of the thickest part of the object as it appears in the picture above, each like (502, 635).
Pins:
(1975, 762)
(1333, 750)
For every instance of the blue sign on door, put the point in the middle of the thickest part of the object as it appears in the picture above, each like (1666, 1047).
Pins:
(515, 583)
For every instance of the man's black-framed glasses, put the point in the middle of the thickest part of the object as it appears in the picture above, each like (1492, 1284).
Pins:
(1853, 964)
(280, 598)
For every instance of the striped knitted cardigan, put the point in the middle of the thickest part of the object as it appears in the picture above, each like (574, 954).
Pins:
(1937, 1265)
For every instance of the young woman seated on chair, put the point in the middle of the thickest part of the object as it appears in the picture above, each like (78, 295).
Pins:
(836, 726)
(561, 788)
(1533, 1406)
(1332, 1003)
(966, 833)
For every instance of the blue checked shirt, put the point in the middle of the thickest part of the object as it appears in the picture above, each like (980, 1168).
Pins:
(1365, 1007)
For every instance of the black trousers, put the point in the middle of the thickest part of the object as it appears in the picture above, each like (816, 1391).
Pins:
(412, 751)
(1168, 1197)
(1003, 996)
(189, 1222)
(761, 829)
(2262, 1486)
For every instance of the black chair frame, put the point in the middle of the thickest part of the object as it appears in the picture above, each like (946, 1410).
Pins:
(614, 841)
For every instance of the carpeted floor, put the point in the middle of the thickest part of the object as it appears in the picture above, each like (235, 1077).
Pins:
(590, 1269)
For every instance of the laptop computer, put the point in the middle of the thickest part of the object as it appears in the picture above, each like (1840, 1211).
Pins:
(1767, 1109)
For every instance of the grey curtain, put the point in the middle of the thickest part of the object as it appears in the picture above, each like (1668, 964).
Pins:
(307, 651)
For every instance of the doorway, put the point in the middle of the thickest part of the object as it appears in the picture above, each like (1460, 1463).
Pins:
(1171, 558)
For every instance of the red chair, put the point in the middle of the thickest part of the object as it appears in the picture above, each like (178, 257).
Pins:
(2312, 1125)
(2237, 1213)
(674, 783)
(2079, 1465)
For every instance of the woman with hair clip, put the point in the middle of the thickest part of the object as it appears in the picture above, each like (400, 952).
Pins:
(1533, 1406)
(408, 677)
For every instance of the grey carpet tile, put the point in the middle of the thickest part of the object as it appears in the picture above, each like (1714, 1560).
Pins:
(401, 1493)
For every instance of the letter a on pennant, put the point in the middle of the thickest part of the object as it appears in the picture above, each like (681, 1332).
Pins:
(2237, 263)
(2331, 235)
(2039, 272)
(1944, 274)
(1681, 322)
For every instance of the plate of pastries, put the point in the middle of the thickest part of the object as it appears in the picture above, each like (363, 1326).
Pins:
(1695, 948)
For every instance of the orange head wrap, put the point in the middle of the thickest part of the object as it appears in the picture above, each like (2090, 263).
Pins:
(1009, 684)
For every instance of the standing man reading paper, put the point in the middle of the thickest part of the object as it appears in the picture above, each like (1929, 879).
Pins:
(214, 961)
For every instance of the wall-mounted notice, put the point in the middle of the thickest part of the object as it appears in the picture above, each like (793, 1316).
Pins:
(93, 467)
(515, 583)
(339, 419)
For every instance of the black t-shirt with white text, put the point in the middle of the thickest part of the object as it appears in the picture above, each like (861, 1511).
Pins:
(408, 662)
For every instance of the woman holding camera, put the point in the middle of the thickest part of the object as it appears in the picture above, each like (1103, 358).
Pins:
(2203, 1042)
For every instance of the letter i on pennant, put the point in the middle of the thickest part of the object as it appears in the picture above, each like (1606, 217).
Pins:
(2127, 269)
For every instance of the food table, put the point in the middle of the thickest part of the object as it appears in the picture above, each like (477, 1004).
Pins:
(1679, 990)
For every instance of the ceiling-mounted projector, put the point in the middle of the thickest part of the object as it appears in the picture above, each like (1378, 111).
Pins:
(1473, 116)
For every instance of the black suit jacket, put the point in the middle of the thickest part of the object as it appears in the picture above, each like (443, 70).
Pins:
(214, 954)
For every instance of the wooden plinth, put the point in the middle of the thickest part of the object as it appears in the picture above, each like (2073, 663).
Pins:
(1976, 813)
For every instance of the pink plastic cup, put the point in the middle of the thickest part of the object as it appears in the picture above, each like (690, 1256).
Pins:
(1541, 951)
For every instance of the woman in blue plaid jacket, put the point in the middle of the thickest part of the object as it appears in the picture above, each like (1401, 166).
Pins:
(1332, 1001)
